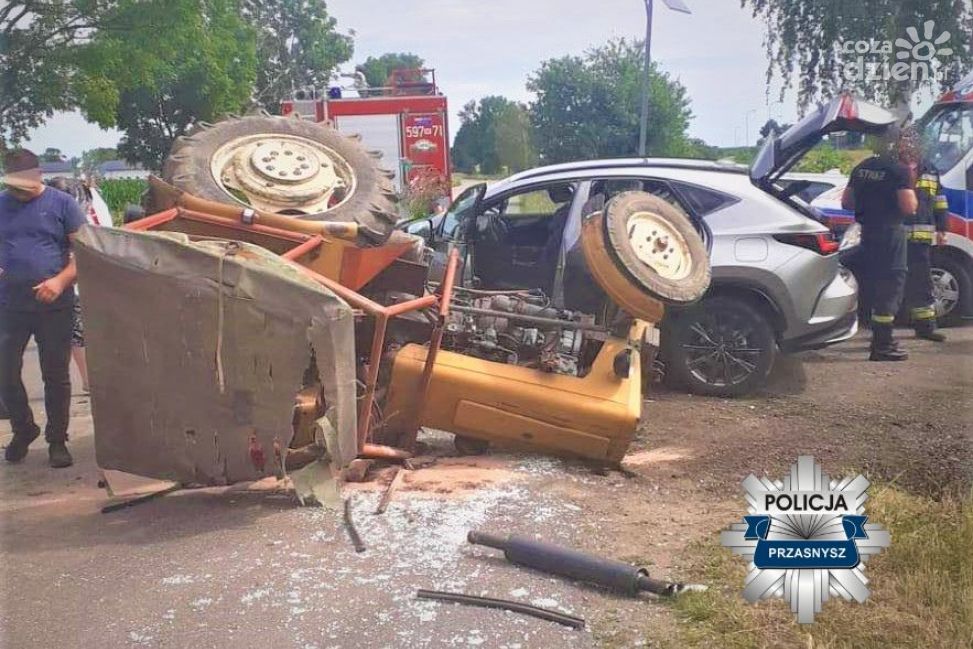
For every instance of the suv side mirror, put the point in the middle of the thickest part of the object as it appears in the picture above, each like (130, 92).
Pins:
(421, 228)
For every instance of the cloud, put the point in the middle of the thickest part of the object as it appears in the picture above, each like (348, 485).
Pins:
(72, 134)
(482, 48)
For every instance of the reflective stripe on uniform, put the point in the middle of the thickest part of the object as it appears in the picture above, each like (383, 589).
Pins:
(928, 185)
(923, 313)
(883, 319)
(920, 232)
(921, 236)
(941, 203)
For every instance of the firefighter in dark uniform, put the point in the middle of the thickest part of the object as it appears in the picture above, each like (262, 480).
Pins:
(925, 229)
(881, 194)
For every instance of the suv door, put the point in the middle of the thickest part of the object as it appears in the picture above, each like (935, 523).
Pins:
(447, 231)
(517, 237)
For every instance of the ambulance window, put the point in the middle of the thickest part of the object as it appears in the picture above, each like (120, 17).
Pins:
(949, 136)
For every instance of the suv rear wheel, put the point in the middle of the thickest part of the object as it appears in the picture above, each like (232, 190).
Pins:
(723, 347)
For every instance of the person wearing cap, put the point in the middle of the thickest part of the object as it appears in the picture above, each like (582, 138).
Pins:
(37, 272)
(881, 194)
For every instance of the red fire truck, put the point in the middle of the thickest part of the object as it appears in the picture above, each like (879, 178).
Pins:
(406, 120)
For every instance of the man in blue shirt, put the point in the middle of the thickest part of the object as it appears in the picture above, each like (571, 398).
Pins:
(37, 272)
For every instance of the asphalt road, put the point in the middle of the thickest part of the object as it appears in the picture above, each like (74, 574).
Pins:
(249, 568)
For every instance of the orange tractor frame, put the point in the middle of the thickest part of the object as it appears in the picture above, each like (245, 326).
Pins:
(594, 416)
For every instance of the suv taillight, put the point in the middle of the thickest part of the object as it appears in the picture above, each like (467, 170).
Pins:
(822, 243)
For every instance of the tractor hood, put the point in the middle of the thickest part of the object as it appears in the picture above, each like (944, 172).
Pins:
(845, 113)
(197, 352)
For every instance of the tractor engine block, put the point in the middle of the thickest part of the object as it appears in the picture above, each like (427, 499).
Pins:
(517, 329)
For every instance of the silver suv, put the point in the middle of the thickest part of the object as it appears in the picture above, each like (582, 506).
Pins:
(776, 280)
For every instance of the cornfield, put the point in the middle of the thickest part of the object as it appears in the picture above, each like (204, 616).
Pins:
(119, 192)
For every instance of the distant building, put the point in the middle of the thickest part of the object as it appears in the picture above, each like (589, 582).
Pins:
(51, 170)
(120, 169)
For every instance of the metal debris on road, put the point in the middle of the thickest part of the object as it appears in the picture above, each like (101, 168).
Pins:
(352, 530)
(114, 507)
(504, 604)
(390, 490)
(557, 560)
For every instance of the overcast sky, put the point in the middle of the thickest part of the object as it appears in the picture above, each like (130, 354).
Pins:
(480, 48)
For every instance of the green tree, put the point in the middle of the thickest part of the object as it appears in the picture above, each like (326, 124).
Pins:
(466, 151)
(91, 158)
(51, 154)
(377, 70)
(697, 148)
(771, 127)
(814, 60)
(512, 138)
(204, 68)
(824, 157)
(298, 46)
(151, 66)
(589, 106)
(36, 44)
(494, 135)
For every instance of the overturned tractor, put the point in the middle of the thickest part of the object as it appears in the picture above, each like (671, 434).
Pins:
(267, 320)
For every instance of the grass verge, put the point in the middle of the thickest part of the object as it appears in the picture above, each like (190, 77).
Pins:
(922, 589)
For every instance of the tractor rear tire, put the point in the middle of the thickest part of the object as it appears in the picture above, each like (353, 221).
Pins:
(371, 204)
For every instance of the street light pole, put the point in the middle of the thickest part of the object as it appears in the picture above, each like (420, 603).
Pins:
(675, 5)
(643, 130)
(749, 112)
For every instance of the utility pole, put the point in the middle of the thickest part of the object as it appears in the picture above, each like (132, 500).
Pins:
(644, 124)
(752, 111)
(675, 5)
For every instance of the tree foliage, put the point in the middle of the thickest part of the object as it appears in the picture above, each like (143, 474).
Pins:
(825, 157)
(805, 41)
(772, 127)
(151, 67)
(298, 46)
(513, 138)
(36, 42)
(91, 158)
(51, 154)
(494, 136)
(589, 106)
(697, 148)
(204, 68)
(377, 69)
